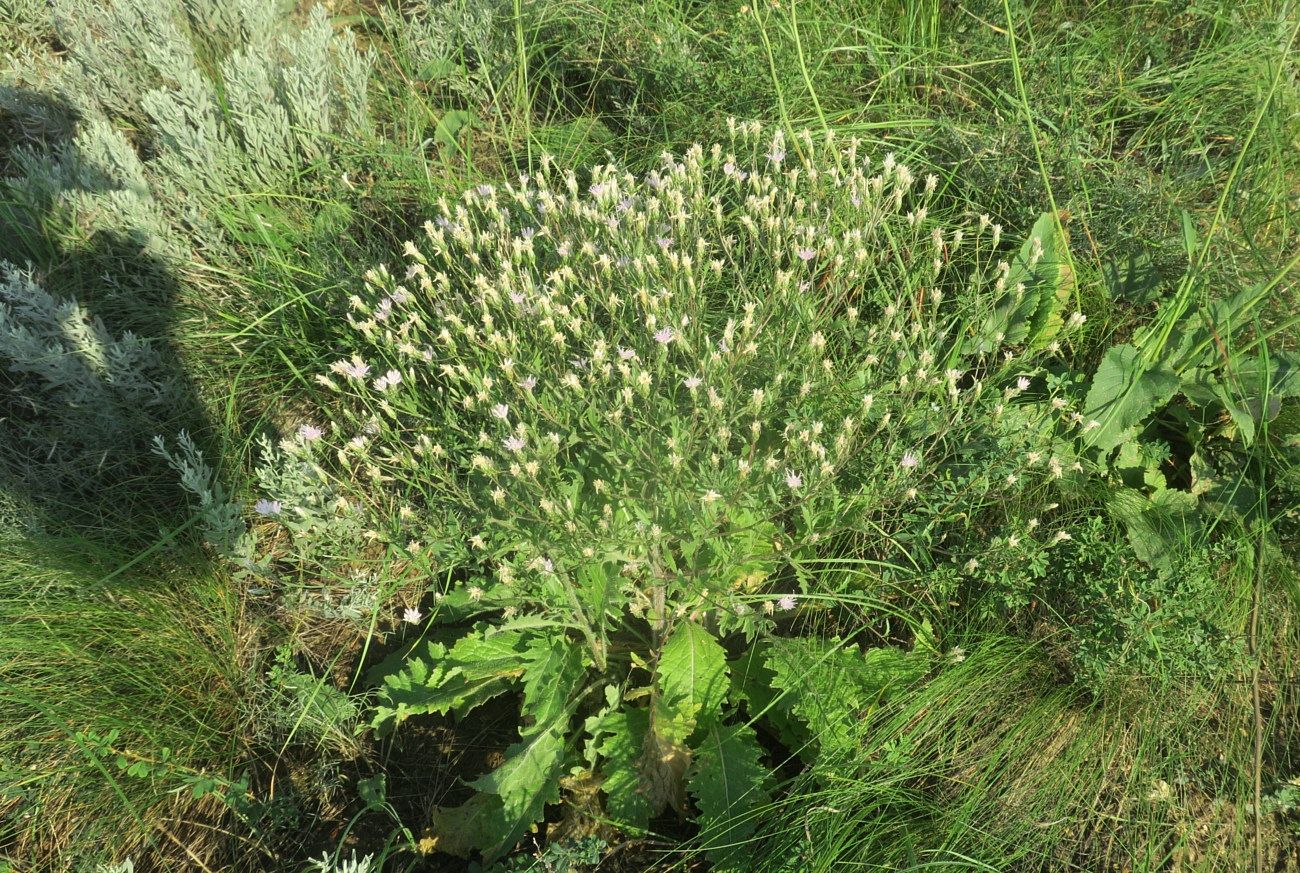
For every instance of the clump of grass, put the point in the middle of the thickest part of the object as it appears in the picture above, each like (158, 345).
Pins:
(98, 663)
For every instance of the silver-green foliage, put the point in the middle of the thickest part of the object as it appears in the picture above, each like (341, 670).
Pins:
(284, 95)
(74, 390)
(22, 21)
(96, 182)
(286, 106)
(349, 865)
(220, 519)
(119, 51)
(458, 46)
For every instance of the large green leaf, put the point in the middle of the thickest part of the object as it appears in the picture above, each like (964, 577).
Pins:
(478, 667)
(529, 778)
(691, 679)
(554, 670)
(627, 799)
(527, 781)
(1160, 527)
(465, 829)
(729, 783)
(1030, 314)
(1125, 390)
(828, 686)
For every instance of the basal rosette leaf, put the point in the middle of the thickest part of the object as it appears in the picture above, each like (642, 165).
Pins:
(1036, 289)
(1159, 527)
(691, 682)
(1125, 390)
(730, 784)
(827, 686)
(627, 800)
(441, 680)
(527, 781)
(529, 778)
(648, 751)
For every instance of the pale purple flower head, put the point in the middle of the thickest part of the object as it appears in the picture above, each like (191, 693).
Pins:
(786, 603)
(626, 354)
(665, 242)
(356, 369)
(776, 155)
(412, 615)
(501, 411)
(692, 382)
(529, 383)
(728, 168)
(664, 336)
(485, 190)
(516, 298)
(909, 461)
(598, 189)
(1023, 383)
(548, 565)
(806, 254)
(267, 507)
(514, 443)
(309, 433)
(793, 480)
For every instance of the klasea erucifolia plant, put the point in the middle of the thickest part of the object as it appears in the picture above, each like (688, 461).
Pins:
(626, 429)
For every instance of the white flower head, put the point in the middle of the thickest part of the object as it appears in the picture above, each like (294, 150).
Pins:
(267, 507)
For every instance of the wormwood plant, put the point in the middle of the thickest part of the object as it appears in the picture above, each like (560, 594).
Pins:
(75, 394)
(651, 423)
(225, 99)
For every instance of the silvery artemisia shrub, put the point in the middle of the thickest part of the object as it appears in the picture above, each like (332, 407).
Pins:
(75, 395)
(703, 381)
(286, 93)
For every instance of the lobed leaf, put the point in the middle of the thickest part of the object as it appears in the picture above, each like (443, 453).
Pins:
(729, 783)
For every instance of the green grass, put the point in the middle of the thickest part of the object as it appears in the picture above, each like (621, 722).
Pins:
(92, 649)
(1122, 118)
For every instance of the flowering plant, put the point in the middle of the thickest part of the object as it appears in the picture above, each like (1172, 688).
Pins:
(651, 422)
